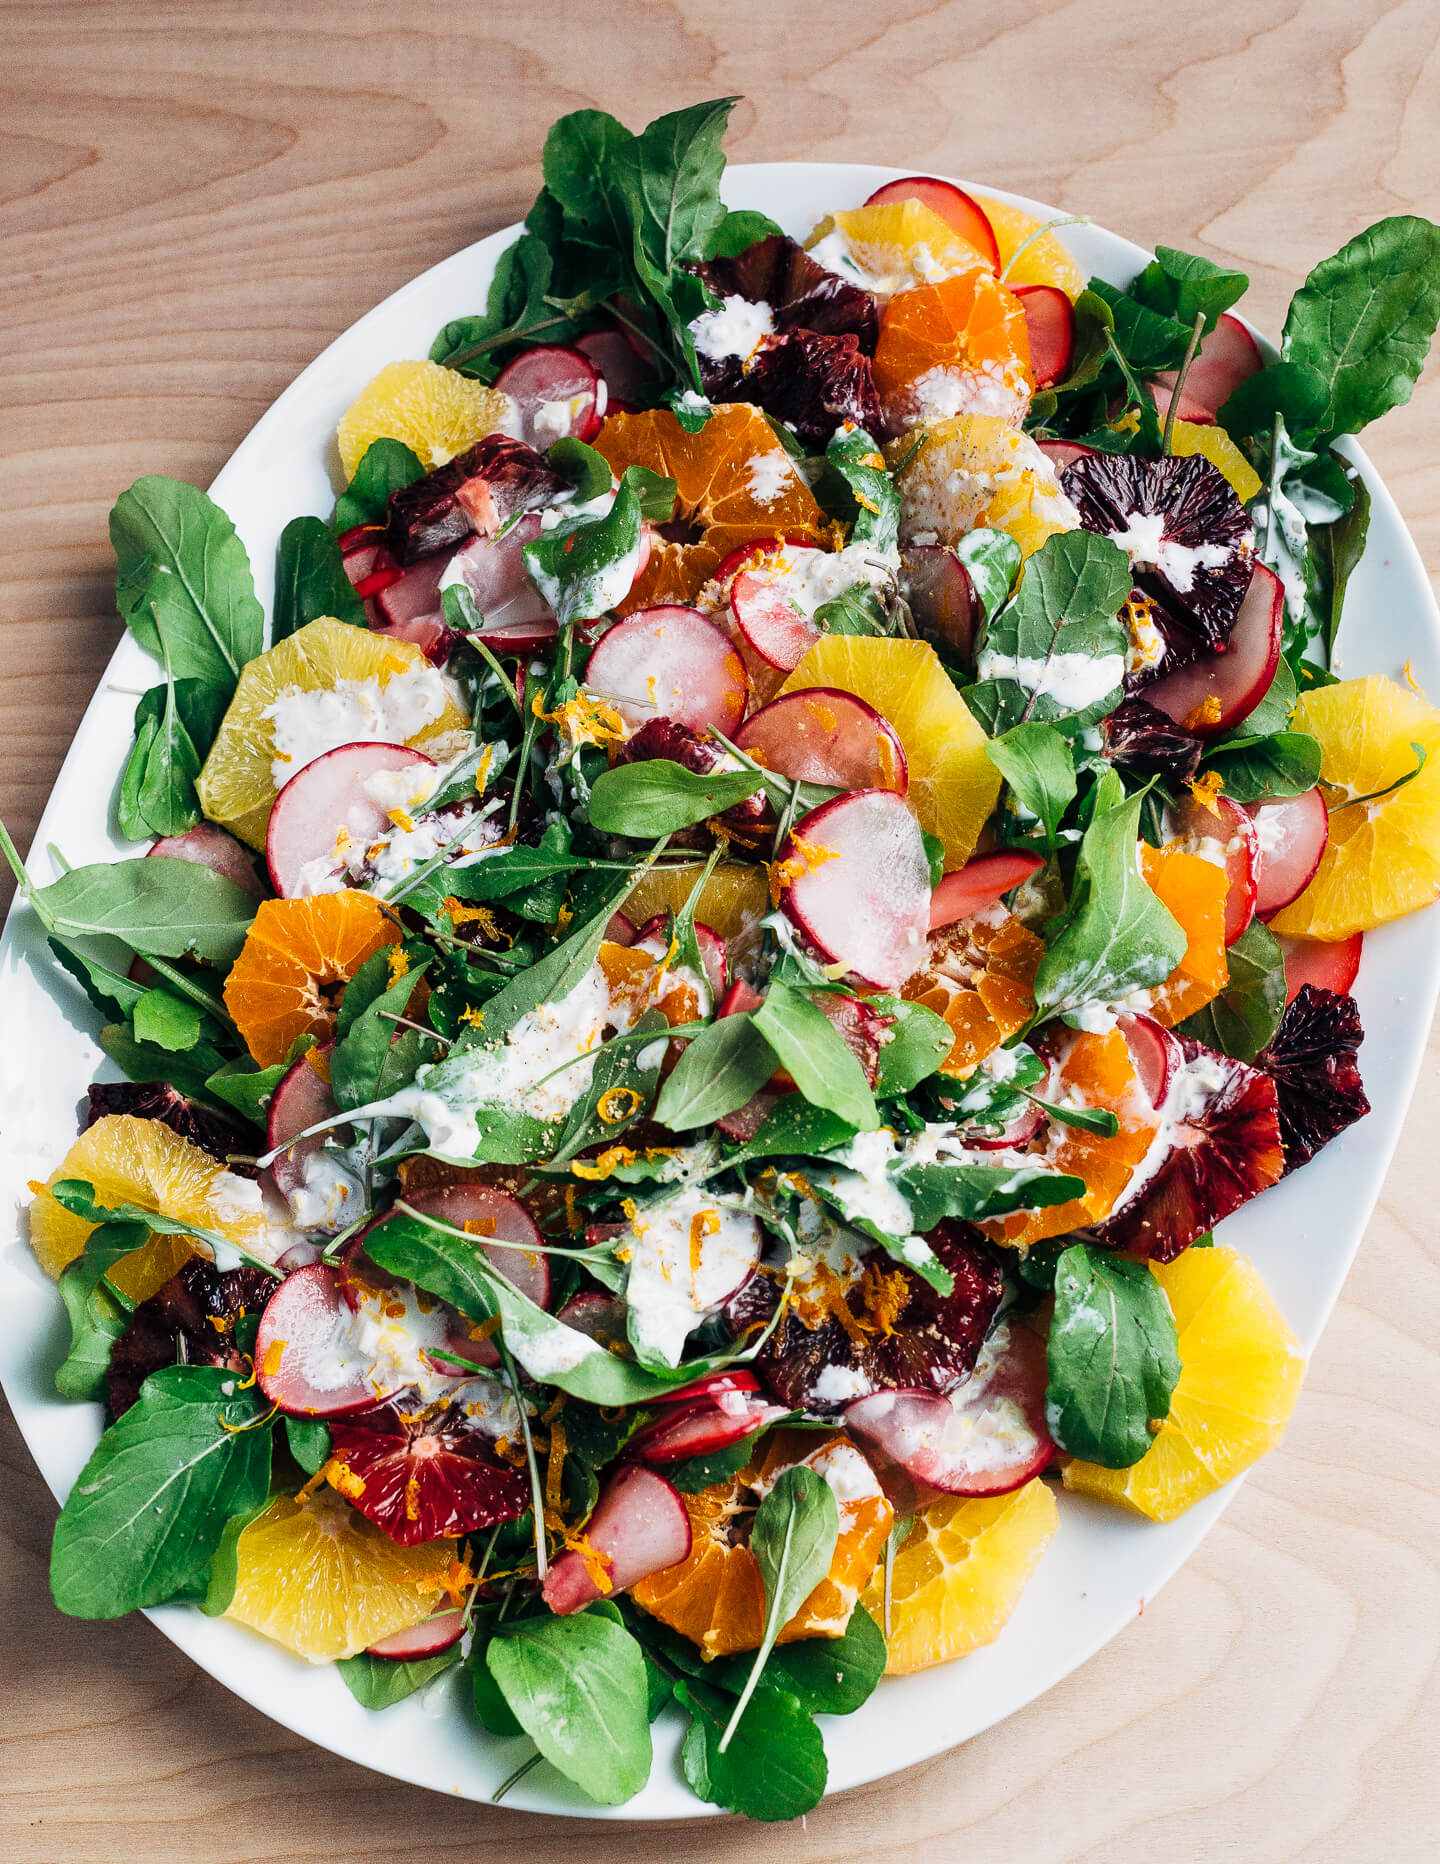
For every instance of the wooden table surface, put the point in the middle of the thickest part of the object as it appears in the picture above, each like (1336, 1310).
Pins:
(194, 199)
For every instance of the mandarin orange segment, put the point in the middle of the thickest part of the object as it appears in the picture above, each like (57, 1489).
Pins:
(959, 343)
(1095, 1071)
(1193, 890)
(734, 483)
(130, 1160)
(981, 978)
(715, 1595)
(297, 956)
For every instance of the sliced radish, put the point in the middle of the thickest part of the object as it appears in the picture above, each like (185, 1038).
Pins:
(327, 810)
(502, 1227)
(556, 393)
(1315, 961)
(978, 884)
(670, 662)
(621, 930)
(856, 880)
(410, 609)
(639, 1527)
(493, 568)
(1155, 1053)
(1063, 453)
(1226, 358)
(1224, 834)
(985, 1438)
(779, 632)
(1292, 834)
(1236, 680)
(1020, 1131)
(358, 536)
(739, 999)
(205, 845)
(942, 598)
(1050, 325)
(703, 1427)
(954, 206)
(714, 955)
(598, 1316)
(626, 373)
(369, 565)
(302, 1100)
(441, 1632)
(823, 735)
(735, 1382)
(306, 1359)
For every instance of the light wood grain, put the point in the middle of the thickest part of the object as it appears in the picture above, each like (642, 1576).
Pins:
(193, 200)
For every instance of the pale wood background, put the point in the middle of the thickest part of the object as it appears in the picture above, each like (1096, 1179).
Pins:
(194, 198)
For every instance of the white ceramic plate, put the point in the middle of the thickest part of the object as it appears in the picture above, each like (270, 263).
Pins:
(1102, 1565)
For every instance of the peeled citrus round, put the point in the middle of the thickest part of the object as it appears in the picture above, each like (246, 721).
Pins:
(958, 1574)
(962, 337)
(980, 977)
(141, 1162)
(1240, 1372)
(977, 469)
(895, 246)
(1383, 857)
(953, 784)
(326, 1583)
(237, 786)
(297, 956)
(1193, 892)
(434, 411)
(1046, 261)
(732, 901)
(1215, 445)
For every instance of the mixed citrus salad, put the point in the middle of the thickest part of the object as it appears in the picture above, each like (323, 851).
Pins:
(689, 1019)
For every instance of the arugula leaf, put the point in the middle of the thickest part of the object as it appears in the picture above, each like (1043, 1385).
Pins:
(157, 905)
(825, 1675)
(150, 1505)
(774, 1767)
(490, 1704)
(918, 1041)
(1148, 340)
(1363, 320)
(1094, 321)
(1119, 937)
(308, 1439)
(872, 502)
(823, 1066)
(856, 610)
(974, 1192)
(793, 1125)
(1112, 1359)
(992, 562)
(1244, 1017)
(519, 305)
(1038, 762)
(170, 1022)
(1294, 391)
(588, 471)
(380, 1682)
(618, 1069)
(386, 466)
(793, 1540)
(310, 580)
(740, 228)
(694, 1473)
(672, 170)
(358, 1059)
(585, 568)
(247, 1090)
(719, 1071)
(1283, 763)
(1336, 549)
(183, 575)
(658, 796)
(577, 1686)
(224, 1574)
(1062, 617)
(1184, 286)
(142, 1061)
(175, 725)
(98, 1314)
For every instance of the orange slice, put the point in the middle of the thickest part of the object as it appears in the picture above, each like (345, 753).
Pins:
(715, 1595)
(980, 977)
(1194, 892)
(892, 247)
(1046, 261)
(297, 956)
(959, 1573)
(976, 469)
(436, 412)
(1240, 1373)
(735, 483)
(141, 1162)
(965, 339)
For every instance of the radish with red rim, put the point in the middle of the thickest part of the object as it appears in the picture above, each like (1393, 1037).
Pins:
(1228, 356)
(1050, 326)
(1316, 961)
(640, 1526)
(306, 1358)
(735, 1380)
(410, 609)
(327, 810)
(1063, 453)
(556, 394)
(1213, 694)
(427, 1639)
(653, 937)
(670, 662)
(514, 615)
(1292, 833)
(771, 624)
(703, 1427)
(986, 1437)
(598, 1316)
(980, 883)
(1221, 832)
(1155, 1053)
(205, 845)
(824, 735)
(502, 1229)
(301, 1100)
(941, 595)
(954, 206)
(625, 372)
(855, 879)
